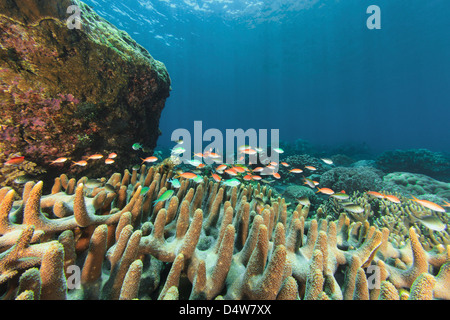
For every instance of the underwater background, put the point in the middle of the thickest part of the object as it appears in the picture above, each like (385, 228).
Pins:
(309, 68)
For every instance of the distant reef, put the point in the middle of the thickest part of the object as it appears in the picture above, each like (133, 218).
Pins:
(69, 92)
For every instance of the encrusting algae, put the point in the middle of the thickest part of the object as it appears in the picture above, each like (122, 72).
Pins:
(210, 241)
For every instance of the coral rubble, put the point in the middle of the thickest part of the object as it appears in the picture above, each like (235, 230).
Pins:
(206, 242)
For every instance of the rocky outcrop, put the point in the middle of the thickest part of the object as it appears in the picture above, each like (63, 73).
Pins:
(68, 92)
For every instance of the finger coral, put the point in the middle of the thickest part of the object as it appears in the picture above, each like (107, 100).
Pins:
(208, 241)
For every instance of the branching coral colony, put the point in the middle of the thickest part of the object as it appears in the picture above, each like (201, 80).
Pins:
(206, 242)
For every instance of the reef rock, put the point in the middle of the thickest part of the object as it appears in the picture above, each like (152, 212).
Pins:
(352, 179)
(432, 164)
(69, 92)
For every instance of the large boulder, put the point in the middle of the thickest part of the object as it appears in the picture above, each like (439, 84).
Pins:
(68, 92)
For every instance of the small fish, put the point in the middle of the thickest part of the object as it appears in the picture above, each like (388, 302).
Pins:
(238, 169)
(432, 222)
(231, 172)
(198, 179)
(375, 194)
(109, 161)
(326, 191)
(136, 167)
(112, 155)
(258, 169)
(81, 163)
(93, 183)
(144, 190)
(354, 208)
(391, 198)
(267, 181)
(179, 141)
(136, 146)
(15, 161)
(428, 204)
(216, 177)
(188, 175)
(327, 161)
(95, 157)
(278, 150)
(311, 168)
(340, 196)
(260, 201)
(248, 151)
(59, 160)
(175, 183)
(296, 170)
(214, 155)
(108, 187)
(194, 162)
(23, 179)
(165, 196)
(276, 175)
(221, 167)
(285, 164)
(149, 159)
(232, 182)
(178, 150)
(447, 204)
(304, 201)
(255, 177)
(309, 182)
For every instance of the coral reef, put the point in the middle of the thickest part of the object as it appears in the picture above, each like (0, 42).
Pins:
(68, 92)
(352, 179)
(416, 184)
(432, 164)
(206, 242)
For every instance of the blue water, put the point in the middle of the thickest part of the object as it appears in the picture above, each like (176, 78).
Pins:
(309, 68)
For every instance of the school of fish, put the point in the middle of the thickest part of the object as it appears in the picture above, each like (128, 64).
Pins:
(233, 174)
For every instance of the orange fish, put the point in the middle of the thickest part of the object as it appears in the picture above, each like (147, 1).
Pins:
(201, 165)
(221, 167)
(285, 164)
(428, 204)
(258, 169)
(256, 177)
(188, 175)
(296, 170)
(310, 168)
(149, 159)
(109, 161)
(326, 191)
(198, 155)
(213, 155)
(248, 151)
(238, 169)
(248, 177)
(375, 194)
(95, 157)
(58, 161)
(81, 163)
(216, 177)
(447, 204)
(15, 161)
(276, 175)
(231, 172)
(392, 198)
(112, 155)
